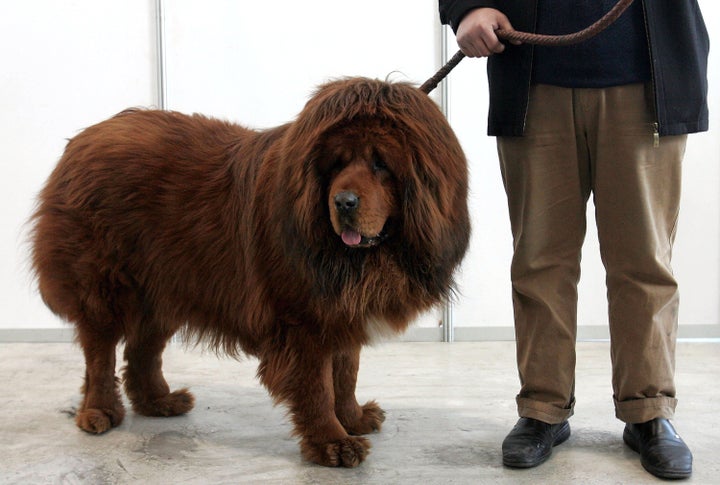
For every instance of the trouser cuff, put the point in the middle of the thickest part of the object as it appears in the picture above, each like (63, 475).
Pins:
(542, 411)
(643, 410)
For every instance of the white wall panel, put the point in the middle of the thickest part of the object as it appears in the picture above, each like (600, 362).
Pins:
(258, 62)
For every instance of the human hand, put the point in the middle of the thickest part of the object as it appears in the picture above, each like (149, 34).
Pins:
(476, 32)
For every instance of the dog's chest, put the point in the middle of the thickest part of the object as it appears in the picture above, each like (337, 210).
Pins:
(378, 329)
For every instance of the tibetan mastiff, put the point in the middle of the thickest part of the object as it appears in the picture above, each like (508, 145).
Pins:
(297, 244)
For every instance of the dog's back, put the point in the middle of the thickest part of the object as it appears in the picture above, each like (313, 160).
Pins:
(144, 212)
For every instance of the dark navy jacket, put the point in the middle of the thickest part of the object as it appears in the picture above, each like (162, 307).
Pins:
(678, 45)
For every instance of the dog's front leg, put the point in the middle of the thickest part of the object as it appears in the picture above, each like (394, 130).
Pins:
(301, 376)
(355, 419)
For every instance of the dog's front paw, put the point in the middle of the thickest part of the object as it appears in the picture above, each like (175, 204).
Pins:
(98, 421)
(172, 404)
(348, 452)
(370, 420)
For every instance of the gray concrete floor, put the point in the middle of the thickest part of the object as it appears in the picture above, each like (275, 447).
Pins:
(448, 406)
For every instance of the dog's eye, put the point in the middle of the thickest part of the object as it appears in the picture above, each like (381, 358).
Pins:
(337, 165)
(379, 165)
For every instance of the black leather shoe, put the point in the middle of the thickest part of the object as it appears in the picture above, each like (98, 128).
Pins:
(531, 442)
(662, 452)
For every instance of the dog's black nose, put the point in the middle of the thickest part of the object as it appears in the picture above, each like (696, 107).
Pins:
(347, 202)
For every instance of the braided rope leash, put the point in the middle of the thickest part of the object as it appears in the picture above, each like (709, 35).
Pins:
(536, 39)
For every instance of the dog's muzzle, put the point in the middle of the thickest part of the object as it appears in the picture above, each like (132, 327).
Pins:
(347, 204)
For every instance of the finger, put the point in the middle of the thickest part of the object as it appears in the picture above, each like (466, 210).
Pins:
(497, 47)
(477, 48)
(483, 44)
(504, 24)
(491, 42)
(492, 45)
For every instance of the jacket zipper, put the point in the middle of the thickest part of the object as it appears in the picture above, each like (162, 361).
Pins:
(656, 123)
(656, 135)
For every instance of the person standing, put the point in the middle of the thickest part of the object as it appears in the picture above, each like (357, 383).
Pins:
(609, 118)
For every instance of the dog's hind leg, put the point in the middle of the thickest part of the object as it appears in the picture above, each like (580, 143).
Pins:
(102, 407)
(145, 384)
(356, 419)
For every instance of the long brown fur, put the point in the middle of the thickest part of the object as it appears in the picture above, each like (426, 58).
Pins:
(295, 244)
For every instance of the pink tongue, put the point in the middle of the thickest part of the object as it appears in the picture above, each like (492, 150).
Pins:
(351, 238)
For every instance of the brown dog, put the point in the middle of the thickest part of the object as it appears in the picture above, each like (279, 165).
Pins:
(295, 245)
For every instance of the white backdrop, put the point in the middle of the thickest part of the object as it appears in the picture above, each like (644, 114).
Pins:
(70, 64)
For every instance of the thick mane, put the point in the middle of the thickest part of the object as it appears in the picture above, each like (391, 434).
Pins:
(433, 229)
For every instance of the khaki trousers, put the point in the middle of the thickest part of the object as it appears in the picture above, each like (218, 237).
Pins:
(602, 142)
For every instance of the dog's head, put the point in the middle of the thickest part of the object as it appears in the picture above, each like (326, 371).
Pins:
(369, 165)
(363, 191)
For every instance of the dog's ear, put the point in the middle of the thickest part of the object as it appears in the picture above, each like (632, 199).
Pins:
(297, 182)
(436, 227)
(334, 103)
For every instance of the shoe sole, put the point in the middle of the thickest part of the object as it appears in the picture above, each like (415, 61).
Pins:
(629, 440)
(562, 437)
